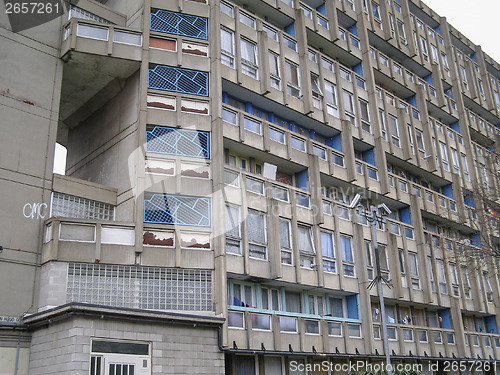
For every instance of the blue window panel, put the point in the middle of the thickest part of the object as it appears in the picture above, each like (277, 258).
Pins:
(428, 79)
(302, 179)
(491, 325)
(352, 306)
(370, 156)
(176, 209)
(179, 24)
(170, 141)
(184, 81)
(445, 316)
(447, 191)
(404, 214)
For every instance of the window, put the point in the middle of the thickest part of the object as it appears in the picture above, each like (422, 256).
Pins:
(274, 71)
(456, 163)
(393, 125)
(249, 65)
(444, 59)
(227, 47)
(425, 51)
(338, 159)
(293, 302)
(257, 241)
(347, 257)
(227, 9)
(328, 251)
(316, 305)
(255, 186)
(382, 124)
(466, 282)
(369, 259)
(298, 143)
(415, 278)
(350, 4)
(444, 156)
(231, 178)
(401, 31)
(292, 76)
(349, 107)
(454, 279)
(311, 55)
(327, 64)
(317, 94)
(306, 247)
(463, 74)
(431, 273)
(233, 235)
(229, 116)
(247, 20)
(252, 125)
(365, 117)
(345, 74)
(487, 287)
(277, 135)
(419, 135)
(331, 99)
(271, 33)
(376, 11)
(285, 242)
(435, 54)
(118, 357)
(291, 44)
(441, 277)
(280, 193)
(402, 267)
(384, 262)
(270, 299)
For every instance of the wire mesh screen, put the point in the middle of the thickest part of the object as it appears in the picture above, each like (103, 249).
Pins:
(179, 24)
(186, 81)
(183, 142)
(176, 209)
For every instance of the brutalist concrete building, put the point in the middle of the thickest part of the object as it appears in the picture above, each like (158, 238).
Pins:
(206, 222)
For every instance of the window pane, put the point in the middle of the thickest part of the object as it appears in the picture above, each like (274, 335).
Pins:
(305, 240)
(327, 245)
(293, 302)
(285, 234)
(256, 227)
(345, 243)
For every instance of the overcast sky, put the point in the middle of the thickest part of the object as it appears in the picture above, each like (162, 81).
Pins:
(478, 20)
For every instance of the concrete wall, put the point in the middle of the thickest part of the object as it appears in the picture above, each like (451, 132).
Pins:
(8, 361)
(29, 102)
(100, 147)
(64, 347)
(53, 282)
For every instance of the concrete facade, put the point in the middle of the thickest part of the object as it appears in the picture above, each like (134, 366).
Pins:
(214, 149)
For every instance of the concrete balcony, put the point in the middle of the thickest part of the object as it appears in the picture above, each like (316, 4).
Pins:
(98, 58)
(281, 331)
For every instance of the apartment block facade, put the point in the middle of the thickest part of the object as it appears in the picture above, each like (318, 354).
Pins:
(204, 224)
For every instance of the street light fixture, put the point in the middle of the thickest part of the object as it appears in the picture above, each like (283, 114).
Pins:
(375, 216)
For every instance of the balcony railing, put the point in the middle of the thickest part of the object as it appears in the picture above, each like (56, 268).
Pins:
(109, 40)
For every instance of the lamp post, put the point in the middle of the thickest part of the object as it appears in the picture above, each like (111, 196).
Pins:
(377, 215)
